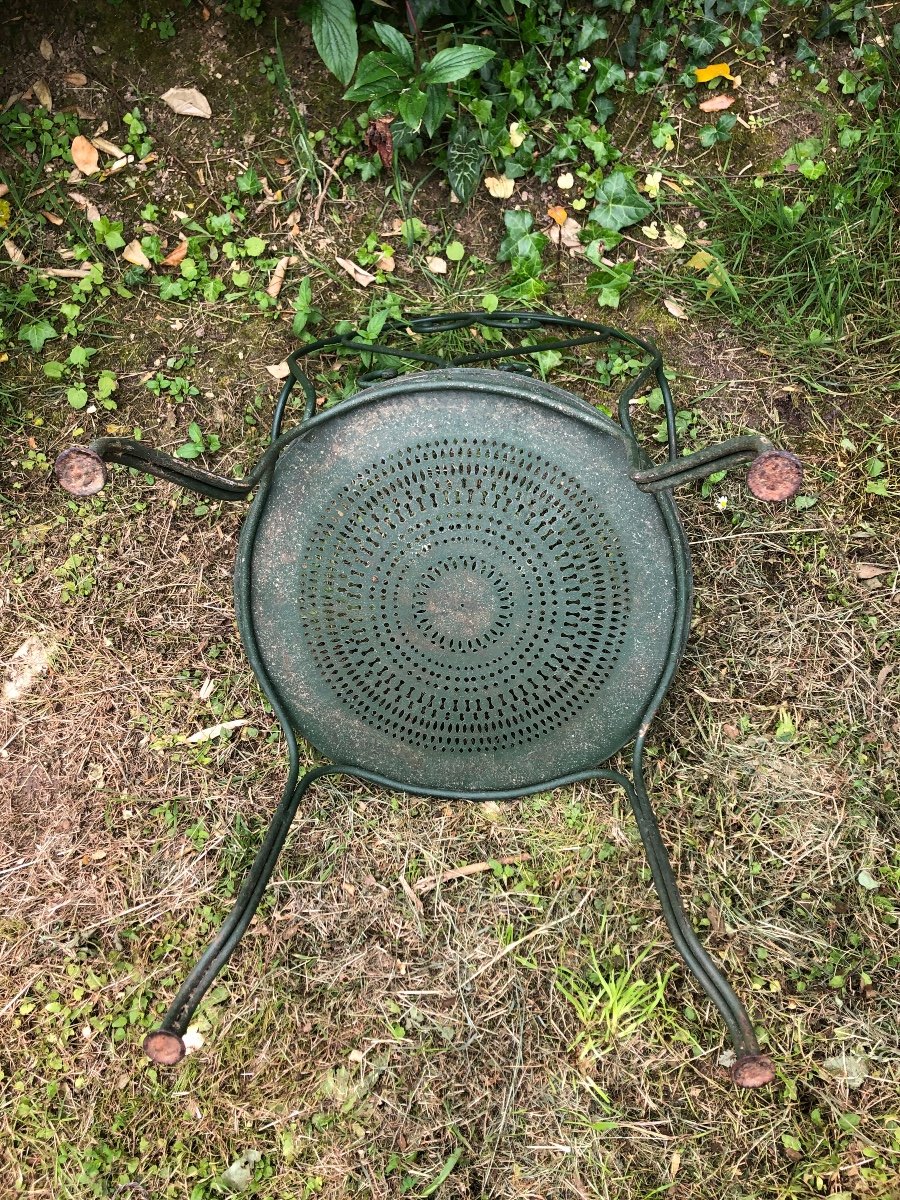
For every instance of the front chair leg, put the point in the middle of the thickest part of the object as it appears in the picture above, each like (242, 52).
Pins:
(165, 1045)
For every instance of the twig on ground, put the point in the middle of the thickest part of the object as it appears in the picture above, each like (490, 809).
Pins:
(433, 881)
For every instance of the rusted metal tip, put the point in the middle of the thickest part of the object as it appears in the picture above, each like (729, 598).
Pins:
(775, 475)
(81, 471)
(164, 1047)
(753, 1071)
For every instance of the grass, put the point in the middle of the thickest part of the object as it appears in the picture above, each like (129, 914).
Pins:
(812, 262)
(523, 1032)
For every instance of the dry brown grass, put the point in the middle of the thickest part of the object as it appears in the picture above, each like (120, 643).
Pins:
(364, 1034)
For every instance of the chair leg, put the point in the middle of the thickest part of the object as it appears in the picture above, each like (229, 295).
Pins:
(165, 1045)
(752, 1068)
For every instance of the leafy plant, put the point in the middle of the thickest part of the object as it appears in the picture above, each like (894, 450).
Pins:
(333, 24)
(391, 82)
(73, 371)
(198, 443)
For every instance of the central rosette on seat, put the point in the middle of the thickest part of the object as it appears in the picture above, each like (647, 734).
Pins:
(462, 604)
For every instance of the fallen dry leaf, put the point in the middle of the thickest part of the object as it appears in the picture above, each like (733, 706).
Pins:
(380, 140)
(91, 211)
(567, 234)
(717, 103)
(29, 662)
(118, 165)
(436, 265)
(516, 136)
(193, 1038)
(69, 272)
(85, 156)
(4, 188)
(211, 731)
(42, 92)
(51, 217)
(76, 78)
(46, 49)
(279, 370)
(277, 280)
(713, 71)
(870, 571)
(175, 256)
(357, 273)
(187, 102)
(558, 214)
(109, 147)
(14, 253)
(565, 181)
(500, 189)
(673, 307)
(852, 1069)
(386, 263)
(134, 253)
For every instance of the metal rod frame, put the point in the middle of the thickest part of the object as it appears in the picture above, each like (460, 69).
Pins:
(165, 1045)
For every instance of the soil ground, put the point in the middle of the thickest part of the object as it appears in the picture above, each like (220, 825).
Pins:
(366, 1037)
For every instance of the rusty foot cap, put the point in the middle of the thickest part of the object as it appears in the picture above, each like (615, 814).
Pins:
(81, 471)
(775, 475)
(753, 1071)
(164, 1047)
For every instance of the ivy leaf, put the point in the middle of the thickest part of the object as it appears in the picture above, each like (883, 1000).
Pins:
(465, 159)
(607, 74)
(455, 63)
(522, 247)
(608, 283)
(333, 25)
(37, 333)
(704, 37)
(619, 203)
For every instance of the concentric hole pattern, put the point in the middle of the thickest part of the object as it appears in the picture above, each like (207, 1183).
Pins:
(464, 595)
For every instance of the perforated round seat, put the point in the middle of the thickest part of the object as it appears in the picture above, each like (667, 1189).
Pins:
(458, 590)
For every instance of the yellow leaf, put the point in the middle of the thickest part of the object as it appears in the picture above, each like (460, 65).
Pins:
(651, 231)
(674, 236)
(500, 189)
(712, 283)
(516, 136)
(701, 261)
(713, 71)
(651, 184)
(565, 181)
(557, 214)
